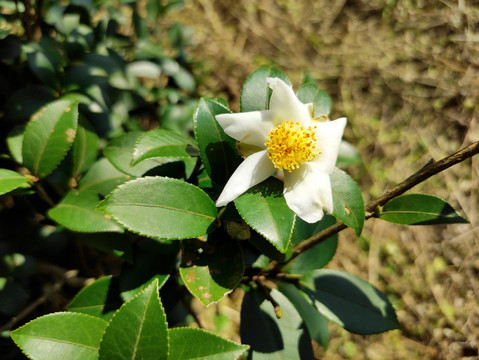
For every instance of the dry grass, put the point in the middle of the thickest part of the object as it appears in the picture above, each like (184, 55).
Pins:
(406, 74)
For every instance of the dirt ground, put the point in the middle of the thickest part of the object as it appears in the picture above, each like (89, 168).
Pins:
(406, 74)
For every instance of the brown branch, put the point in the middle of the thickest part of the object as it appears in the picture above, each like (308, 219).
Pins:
(432, 168)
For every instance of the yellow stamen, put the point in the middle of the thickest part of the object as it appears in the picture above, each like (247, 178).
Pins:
(290, 145)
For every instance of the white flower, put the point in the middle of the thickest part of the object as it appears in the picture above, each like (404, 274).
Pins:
(286, 138)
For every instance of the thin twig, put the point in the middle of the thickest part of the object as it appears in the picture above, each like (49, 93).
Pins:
(432, 168)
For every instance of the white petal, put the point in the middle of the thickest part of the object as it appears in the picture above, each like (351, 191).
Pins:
(328, 137)
(285, 106)
(307, 191)
(249, 127)
(251, 171)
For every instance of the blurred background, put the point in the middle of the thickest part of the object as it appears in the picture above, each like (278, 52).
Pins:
(406, 74)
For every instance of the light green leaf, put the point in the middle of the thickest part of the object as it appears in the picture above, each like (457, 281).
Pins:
(162, 143)
(347, 155)
(77, 212)
(120, 153)
(350, 302)
(61, 336)
(48, 136)
(100, 299)
(347, 201)
(102, 178)
(256, 93)
(310, 93)
(264, 208)
(271, 338)
(213, 268)
(15, 143)
(161, 208)
(316, 323)
(217, 150)
(420, 209)
(202, 345)
(138, 330)
(10, 180)
(85, 147)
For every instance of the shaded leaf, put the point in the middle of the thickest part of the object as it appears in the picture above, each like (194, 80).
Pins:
(102, 178)
(61, 336)
(85, 147)
(264, 208)
(350, 302)
(198, 344)
(348, 204)
(138, 330)
(420, 209)
(310, 93)
(213, 268)
(77, 212)
(256, 93)
(161, 208)
(48, 136)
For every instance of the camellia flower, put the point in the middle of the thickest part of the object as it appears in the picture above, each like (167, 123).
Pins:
(288, 140)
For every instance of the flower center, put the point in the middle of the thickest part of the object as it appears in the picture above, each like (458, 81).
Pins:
(290, 145)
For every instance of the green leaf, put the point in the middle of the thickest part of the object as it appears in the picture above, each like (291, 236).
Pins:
(217, 150)
(310, 93)
(161, 208)
(319, 255)
(61, 336)
(45, 61)
(120, 153)
(102, 178)
(85, 147)
(49, 135)
(270, 337)
(161, 143)
(138, 330)
(213, 268)
(350, 302)
(256, 93)
(420, 209)
(77, 212)
(99, 299)
(198, 344)
(23, 103)
(118, 244)
(15, 141)
(264, 208)
(10, 180)
(348, 204)
(316, 323)
(152, 260)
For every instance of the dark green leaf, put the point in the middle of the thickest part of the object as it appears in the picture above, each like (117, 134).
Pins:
(351, 302)
(138, 330)
(49, 135)
(256, 93)
(310, 93)
(85, 147)
(100, 299)
(26, 101)
(161, 208)
(270, 337)
(420, 209)
(319, 255)
(118, 244)
(13, 297)
(61, 336)
(217, 150)
(10, 180)
(213, 268)
(198, 344)
(103, 177)
(264, 208)
(152, 260)
(77, 212)
(347, 200)
(120, 153)
(162, 143)
(316, 323)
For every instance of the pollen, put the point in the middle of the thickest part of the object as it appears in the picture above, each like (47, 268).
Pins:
(290, 144)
